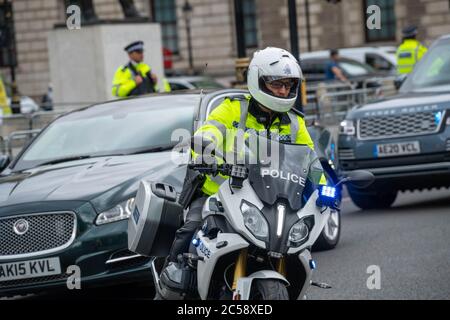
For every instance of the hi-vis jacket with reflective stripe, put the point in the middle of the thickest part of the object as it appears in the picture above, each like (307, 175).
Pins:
(123, 82)
(408, 54)
(228, 117)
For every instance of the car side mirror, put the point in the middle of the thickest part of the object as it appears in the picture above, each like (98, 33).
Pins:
(5, 160)
(358, 178)
(399, 81)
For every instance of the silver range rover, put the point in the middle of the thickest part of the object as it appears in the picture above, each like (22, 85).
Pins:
(404, 140)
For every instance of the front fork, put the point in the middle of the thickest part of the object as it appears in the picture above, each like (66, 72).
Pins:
(241, 267)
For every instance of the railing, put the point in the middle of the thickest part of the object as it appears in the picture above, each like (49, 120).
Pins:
(17, 129)
(331, 102)
(17, 139)
(327, 102)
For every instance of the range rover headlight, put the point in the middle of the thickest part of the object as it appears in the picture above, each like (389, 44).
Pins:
(255, 221)
(347, 127)
(119, 212)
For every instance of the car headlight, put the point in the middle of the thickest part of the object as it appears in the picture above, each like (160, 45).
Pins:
(448, 120)
(255, 221)
(298, 233)
(347, 127)
(119, 212)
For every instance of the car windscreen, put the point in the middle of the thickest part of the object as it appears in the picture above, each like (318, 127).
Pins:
(354, 68)
(116, 129)
(432, 73)
(206, 84)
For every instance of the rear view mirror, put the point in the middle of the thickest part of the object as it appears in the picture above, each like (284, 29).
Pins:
(360, 178)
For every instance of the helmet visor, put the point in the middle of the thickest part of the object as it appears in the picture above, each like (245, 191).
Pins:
(280, 87)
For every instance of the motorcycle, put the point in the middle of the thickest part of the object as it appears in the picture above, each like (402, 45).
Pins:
(256, 234)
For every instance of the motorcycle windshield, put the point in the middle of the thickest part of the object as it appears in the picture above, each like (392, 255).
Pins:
(290, 168)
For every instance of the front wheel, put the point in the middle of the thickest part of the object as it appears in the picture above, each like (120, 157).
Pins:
(329, 237)
(269, 289)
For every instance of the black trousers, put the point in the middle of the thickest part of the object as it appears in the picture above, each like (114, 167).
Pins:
(184, 235)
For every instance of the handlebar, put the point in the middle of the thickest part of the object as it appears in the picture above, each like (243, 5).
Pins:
(232, 170)
(237, 173)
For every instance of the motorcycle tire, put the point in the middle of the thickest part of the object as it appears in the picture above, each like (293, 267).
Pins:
(269, 289)
(324, 241)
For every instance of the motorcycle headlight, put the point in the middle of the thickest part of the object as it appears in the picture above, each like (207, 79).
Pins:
(347, 127)
(298, 233)
(119, 212)
(255, 221)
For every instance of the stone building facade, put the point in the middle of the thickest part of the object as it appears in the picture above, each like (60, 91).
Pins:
(213, 29)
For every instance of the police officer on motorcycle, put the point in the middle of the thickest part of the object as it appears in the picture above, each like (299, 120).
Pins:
(273, 80)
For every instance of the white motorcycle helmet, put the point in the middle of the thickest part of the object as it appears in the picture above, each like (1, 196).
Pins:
(273, 64)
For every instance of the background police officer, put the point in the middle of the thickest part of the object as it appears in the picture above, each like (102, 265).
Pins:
(410, 51)
(135, 78)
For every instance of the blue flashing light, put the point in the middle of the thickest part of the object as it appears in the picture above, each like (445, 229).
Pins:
(196, 242)
(329, 192)
(312, 264)
(327, 197)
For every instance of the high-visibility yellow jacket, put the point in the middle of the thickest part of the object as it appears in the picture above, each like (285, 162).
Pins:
(124, 84)
(166, 85)
(223, 122)
(408, 54)
(4, 106)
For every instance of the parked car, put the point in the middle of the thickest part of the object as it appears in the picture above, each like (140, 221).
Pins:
(403, 140)
(65, 199)
(193, 82)
(382, 59)
(355, 71)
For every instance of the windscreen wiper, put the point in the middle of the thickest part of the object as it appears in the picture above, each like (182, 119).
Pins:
(152, 149)
(66, 159)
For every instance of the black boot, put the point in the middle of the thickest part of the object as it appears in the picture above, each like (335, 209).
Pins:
(177, 280)
(171, 282)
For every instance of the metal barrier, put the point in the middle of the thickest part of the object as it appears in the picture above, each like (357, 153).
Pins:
(17, 129)
(317, 90)
(387, 85)
(330, 102)
(11, 145)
